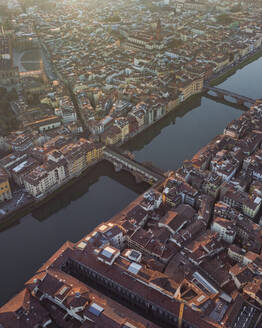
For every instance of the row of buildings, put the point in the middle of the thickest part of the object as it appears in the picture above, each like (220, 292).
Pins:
(41, 169)
(159, 59)
(186, 253)
(125, 74)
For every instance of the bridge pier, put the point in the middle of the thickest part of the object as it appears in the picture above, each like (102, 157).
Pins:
(240, 102)
(140, 172)
(138, 178)
(220, 95)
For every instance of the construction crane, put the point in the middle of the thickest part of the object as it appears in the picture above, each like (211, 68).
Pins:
(170, 174)
(182, 306)
(163, 195)
(181, 312)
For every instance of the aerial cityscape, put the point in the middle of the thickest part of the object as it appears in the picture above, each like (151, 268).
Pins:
(130, 164)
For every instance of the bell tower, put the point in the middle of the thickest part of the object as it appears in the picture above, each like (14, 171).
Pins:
(158, 30)
(42, 69)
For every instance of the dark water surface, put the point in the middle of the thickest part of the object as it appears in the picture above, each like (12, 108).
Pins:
(191, 126)
(102, 193)
(71, 214)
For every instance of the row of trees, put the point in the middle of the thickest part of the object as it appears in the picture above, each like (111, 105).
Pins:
(8, 120)
(113, 19)
(175, 43)
(224, 19)
(236, 8)
(44, 5)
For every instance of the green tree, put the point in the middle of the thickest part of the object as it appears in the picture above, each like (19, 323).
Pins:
(175, 43)
(224, 19)
(236, 8)
(8, 121)
(113, 19)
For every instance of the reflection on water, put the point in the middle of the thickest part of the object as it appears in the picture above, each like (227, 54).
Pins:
(73, 213)
(80, 187)
(183, 132)
(100, 194)
(145, 138)
(231, 102)
(247, 81)
(196, 122)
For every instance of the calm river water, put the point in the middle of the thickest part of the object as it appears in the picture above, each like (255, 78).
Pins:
(102, 193)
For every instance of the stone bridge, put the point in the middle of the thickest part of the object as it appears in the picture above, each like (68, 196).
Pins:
(221, 93)
(140, 171)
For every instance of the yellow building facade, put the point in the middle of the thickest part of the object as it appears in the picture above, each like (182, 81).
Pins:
(5, 189)
(94, 153)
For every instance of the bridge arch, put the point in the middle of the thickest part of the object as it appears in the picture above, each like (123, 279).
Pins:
(231, 99)
(212, 93)
(122, 162)
(229, 96)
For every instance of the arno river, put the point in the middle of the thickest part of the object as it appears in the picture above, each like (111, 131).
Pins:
(102, 192)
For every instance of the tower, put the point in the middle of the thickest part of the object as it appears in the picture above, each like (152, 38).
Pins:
(43, 74)
(158, 30)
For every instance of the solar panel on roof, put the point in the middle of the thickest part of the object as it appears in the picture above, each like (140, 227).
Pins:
(134, 267)
(129, 325)
(108, 252)
(95, 309)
